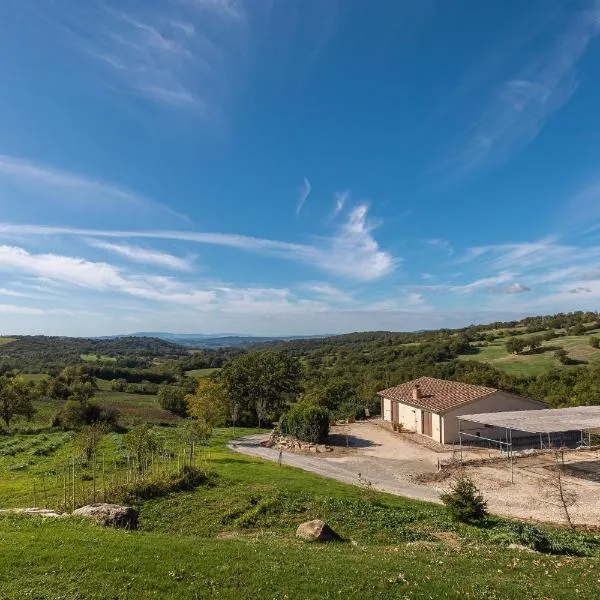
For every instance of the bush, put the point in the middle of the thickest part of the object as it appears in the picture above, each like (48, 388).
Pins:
(464, 502)
(541, 540)
(306, 422)
(158, 486)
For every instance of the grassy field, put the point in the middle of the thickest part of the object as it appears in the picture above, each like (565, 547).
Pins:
(201, 372)
(135, 408)
(7, 340)
(97, 358)
(235, 539)
(526, 364)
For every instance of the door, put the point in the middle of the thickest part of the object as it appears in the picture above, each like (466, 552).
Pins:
(394, 412)
(426, 428)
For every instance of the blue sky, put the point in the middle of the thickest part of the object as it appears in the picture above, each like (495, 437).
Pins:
(296, 167)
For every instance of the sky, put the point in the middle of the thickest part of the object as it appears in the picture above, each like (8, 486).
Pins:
(295, 167)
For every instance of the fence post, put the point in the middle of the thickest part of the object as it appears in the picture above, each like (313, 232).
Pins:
(94, 478)
(73, 491)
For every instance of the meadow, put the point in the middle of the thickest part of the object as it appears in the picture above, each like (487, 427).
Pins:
(532, 364)
(234, 538)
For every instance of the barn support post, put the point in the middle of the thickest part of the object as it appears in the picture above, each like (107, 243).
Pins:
(541, 442)
(512, 470)
(460, 441)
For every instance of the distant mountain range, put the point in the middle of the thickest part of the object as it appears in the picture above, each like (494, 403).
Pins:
(217, 340)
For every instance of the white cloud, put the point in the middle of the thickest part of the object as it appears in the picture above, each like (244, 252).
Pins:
(143, 255)
(352, 252)
(14, 294)
(327, 292)
(179, 54)
(443, 245)
(10, 309)
(51, 184)
(340, 199)
(303, 194)
(521, 107)
(512, 288)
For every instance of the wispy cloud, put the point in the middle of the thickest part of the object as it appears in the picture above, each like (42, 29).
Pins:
(303, 194)
(352, 252)
(521, 105)
(143, 255)
(13, 309)
(179, 53)
(64, 186)
(327, 292)
(443, 245)
(340, 199)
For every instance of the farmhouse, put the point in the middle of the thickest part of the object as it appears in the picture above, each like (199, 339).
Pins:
(431, 406)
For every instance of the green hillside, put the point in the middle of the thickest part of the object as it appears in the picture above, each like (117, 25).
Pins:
(530, 364)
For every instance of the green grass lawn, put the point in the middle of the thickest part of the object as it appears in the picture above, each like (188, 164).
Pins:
(495, 354)
(201, 372)
(7, 340)
(235, 539)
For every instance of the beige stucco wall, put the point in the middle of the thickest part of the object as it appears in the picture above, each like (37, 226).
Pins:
(410, 417)
(497, 402)
(387, 409)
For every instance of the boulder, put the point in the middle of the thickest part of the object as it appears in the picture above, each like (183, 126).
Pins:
(110, 515)
(317, 531)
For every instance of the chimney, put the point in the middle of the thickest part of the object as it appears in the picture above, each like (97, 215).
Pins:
(416, 393)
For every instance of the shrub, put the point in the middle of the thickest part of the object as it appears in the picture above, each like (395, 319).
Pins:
(159, 486)
(306, 422)
(464, 502)
(540, 540)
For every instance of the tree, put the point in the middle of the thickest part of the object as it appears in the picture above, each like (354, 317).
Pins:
(465, 503)
(562, 356)
(274, 376)
(515, 345)
(261, 409)
(16, 398)
(595, 342)
(234, 413)
(173, 398)
(208, 406)
(88, 438)
(306, 422)
(142, 442)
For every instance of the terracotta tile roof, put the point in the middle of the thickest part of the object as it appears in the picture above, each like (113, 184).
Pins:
(437, 395)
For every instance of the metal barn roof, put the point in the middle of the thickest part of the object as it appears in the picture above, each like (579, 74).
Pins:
(551, 420)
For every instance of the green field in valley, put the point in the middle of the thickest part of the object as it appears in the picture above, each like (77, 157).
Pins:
(201, 372)
(6, 340)
(97, 358)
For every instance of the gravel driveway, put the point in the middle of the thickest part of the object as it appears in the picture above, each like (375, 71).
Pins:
(378, 455)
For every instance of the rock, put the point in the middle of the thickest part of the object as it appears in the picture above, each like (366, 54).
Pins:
(317, 531)
(521, 548)
(40, 512)
(110, 515)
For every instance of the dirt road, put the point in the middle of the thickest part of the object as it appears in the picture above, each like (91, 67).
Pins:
(376, 462)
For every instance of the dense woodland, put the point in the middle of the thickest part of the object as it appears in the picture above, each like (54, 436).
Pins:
(341, 373)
